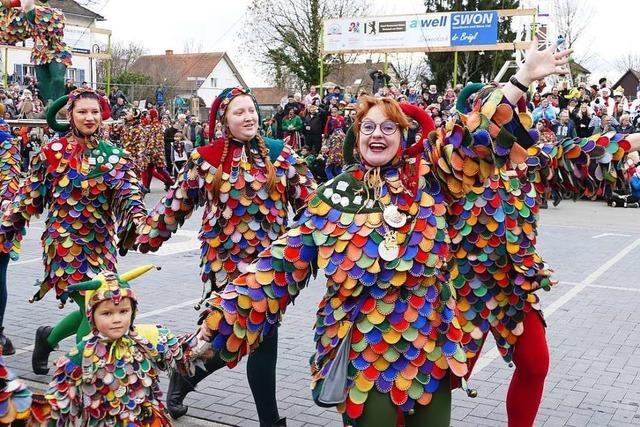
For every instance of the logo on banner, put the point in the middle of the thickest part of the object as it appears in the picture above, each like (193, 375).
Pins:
(474, 28)
(370, 28)
(393, 27)
(334, 29)
(354, 27)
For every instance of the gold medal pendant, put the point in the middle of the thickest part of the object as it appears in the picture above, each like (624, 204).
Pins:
(388, 248)
(393, 217)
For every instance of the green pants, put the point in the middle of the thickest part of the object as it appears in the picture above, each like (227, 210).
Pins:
(51, 80)
(379, 411)
(74, 323)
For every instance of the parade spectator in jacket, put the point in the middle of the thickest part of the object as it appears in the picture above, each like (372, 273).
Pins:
(379, 79)
(544, 111)
(583, 120)
(314, 121)
(564, 128)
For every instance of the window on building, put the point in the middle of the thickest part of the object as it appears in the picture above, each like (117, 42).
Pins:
(214, 82)
(21, 71)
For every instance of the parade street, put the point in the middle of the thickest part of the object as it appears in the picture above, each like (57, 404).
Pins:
(593, 315)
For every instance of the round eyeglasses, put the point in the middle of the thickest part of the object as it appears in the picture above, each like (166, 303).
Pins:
(387, 127)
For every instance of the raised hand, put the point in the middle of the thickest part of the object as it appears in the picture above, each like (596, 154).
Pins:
(539, 64)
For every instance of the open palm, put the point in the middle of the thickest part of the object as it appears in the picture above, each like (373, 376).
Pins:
(539, 64)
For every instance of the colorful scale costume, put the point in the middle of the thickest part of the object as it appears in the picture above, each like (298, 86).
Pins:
(154, 149)
(244, 219)
(17, 403)
(105, 382)
(46, 29)
(494, 231)
(406, 337)
(91, 193)
(134, 141)
(9, 176)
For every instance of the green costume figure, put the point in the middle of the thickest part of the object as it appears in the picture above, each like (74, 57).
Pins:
(22, 20)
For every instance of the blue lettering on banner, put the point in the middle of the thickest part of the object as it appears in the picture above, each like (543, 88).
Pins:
(474, 28)
(429, 22)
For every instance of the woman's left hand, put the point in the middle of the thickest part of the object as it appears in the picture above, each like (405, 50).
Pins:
(539, 64)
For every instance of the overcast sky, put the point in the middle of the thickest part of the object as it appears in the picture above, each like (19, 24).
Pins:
(160, 25)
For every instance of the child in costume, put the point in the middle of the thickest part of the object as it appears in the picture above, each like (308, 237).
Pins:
(110, 378)
(92, 193)
(9, 184)
(246, 183)
(22, 20)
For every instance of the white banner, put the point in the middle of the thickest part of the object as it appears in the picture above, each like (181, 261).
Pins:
(78, 39)
(410, 32)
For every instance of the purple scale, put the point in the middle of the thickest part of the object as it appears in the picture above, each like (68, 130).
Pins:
(415, 239)
(359, 363)
(295, 241)
(389, 374)
(408, 405)
(400, 364)
(229, 305)
(426, 309)
(329, 320)
(370, 249)
(395, 317)
(264, 264)
(368, 279)
(447, 314)
(417, 269)
(254, 327)
(319, 222)
(432, 220)
(353, 228)
(279, 291)
(334, 215)
(412, 353)
(331, 268)
(432, 293)
(411, 252)
(383, 385)
(225, 329)
(489, 210)
(377, 292)
(355, 272)
(374, 336)
(385, 275)
(256, 294)
(337, 258)
(501, 229)
(433, 384)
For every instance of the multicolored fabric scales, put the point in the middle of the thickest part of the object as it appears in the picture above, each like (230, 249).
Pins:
(91, 193)
(154, 148)
(9, 176)
(45, 25)
(134, 141)
(244, 218)
(406, 337)
(497, 267)
(16, 400)
(104, 383)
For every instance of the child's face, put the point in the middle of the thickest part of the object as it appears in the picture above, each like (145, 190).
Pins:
(113, 321)
(177, 137)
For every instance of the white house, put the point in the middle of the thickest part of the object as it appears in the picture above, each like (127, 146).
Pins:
(202, 74)
(80, 34)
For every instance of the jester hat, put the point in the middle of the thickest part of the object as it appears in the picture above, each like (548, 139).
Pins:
(110, 286)
(223, 100)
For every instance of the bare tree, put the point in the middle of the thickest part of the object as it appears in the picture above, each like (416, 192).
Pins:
(411, 67)
(192, 45)
(628, 61)
(285, 36)
(122, 57)
(572, 18)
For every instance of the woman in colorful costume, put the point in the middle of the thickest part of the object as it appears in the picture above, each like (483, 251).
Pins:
(23, 20)
(497, 267)
(9, 183)
(133, 140)
(111, 377)
(92, 193)
(154, 152)
(246, 183)
(380, 232)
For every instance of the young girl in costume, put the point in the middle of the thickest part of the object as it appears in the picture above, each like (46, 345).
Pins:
(111, 377)
(92, 193)
(9, 183)
(246, 183)
(22, 20)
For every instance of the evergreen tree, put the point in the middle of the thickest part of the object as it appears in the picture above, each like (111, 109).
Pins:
(472, 66)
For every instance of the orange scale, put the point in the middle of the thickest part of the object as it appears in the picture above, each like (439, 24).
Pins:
(353, 253)
(325, 252)
(411, 314)
(409, 372)
(338, 231)
(339, 276)
(369, 355)
(511, 339)
(234, 343)
(359, 241)
(425, 399)
(329, 228)
(398, 396)
(260, 306)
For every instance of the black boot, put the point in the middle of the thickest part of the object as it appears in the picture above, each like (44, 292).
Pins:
(41, 351)
(180, 386)
(6, 344)
(282, 422)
